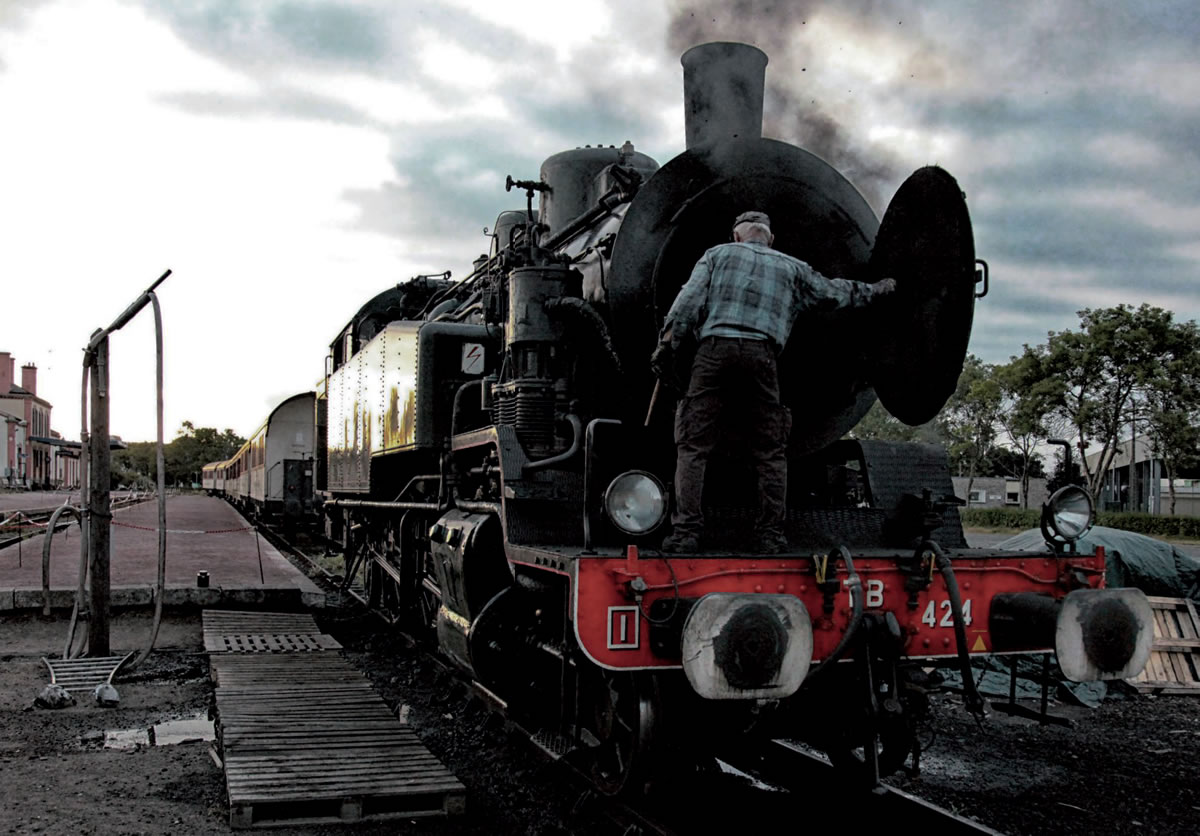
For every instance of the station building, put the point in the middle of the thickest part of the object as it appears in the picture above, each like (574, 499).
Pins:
(28, 459)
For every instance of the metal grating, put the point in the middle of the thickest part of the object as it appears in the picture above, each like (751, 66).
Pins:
(83, 675)
(275, 643)
(233, 631)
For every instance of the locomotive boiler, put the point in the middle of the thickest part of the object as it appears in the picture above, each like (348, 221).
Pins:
(498, 471)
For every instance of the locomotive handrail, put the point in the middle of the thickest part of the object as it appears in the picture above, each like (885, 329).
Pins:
(478, 506)
(981, 276)
(586, 219)
(589, 443)
(383, 505)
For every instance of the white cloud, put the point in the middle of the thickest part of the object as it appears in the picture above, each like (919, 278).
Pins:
(1128, 149)
(105, 187)
(559, 26)
(1139, 204)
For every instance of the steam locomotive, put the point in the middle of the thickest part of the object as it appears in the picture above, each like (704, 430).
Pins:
(497, 471)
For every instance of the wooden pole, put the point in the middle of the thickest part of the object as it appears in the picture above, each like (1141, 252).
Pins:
(99, 521)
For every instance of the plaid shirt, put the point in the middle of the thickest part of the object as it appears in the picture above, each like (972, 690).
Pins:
(752, 291)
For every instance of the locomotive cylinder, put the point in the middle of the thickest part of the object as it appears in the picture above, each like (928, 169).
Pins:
(722, 93)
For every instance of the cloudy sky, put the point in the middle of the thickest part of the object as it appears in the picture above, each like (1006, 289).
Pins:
(288, 159)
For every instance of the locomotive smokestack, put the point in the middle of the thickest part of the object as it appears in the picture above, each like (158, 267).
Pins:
(722, 93)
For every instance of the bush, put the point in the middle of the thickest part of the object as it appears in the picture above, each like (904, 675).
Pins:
(1155, 525)
(1017, 519)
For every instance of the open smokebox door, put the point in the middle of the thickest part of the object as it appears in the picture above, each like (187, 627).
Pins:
(925, 243)
(689, 206)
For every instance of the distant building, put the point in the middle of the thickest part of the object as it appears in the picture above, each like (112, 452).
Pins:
(64, 460)
(31, 463)
(1136, 481)
(12, 450)
(999, 492)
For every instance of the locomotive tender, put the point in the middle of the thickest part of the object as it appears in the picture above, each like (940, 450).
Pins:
(497, 470)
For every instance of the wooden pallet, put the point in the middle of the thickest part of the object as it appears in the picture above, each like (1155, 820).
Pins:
(1174, 666)
(234, 631)
(306, 740)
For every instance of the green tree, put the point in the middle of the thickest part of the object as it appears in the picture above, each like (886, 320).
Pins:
(184, 456)
(1091, 376)
(879, 425)
(1170, 403)
(970, 416)
(1026, 414)
(134, 467)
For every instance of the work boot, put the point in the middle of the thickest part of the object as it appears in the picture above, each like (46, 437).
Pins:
(681, 544)
(771, 544)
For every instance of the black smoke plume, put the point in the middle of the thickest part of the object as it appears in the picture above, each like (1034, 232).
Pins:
(791, 112)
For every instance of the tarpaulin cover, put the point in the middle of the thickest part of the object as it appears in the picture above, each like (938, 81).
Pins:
(1148, 564)
(1155, 567)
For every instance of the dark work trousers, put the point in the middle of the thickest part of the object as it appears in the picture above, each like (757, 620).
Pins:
(733, 381)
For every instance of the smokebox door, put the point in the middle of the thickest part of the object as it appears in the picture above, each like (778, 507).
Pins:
(925, 243)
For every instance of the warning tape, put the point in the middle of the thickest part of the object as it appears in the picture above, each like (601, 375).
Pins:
(186, 530)
(8, 523)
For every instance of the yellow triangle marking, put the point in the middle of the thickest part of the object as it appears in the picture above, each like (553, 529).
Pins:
(979, 645)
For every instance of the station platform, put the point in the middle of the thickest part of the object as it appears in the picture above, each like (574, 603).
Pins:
(34, 501)
(204, 534)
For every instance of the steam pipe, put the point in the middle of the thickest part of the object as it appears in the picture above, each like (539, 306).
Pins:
(604, 206)
(459, 399)
(577, 437)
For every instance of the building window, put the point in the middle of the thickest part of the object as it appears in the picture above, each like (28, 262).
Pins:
(975, 496)
(1012, 498)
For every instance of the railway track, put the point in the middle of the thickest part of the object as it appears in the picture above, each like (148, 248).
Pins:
(19, 525)
(801, 773)
(779, 782)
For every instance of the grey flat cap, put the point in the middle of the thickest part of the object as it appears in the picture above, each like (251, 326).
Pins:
(753, 218)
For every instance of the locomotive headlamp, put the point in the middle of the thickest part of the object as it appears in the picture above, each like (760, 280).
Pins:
(1068, 514)
(636, 502)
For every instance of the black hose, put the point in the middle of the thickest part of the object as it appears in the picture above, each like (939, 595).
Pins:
(160, 460)
(856, 615)
(975, 703)
(590, 318)
(58, 512)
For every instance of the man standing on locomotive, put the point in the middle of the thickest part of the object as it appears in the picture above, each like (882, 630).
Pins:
(740, 304)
